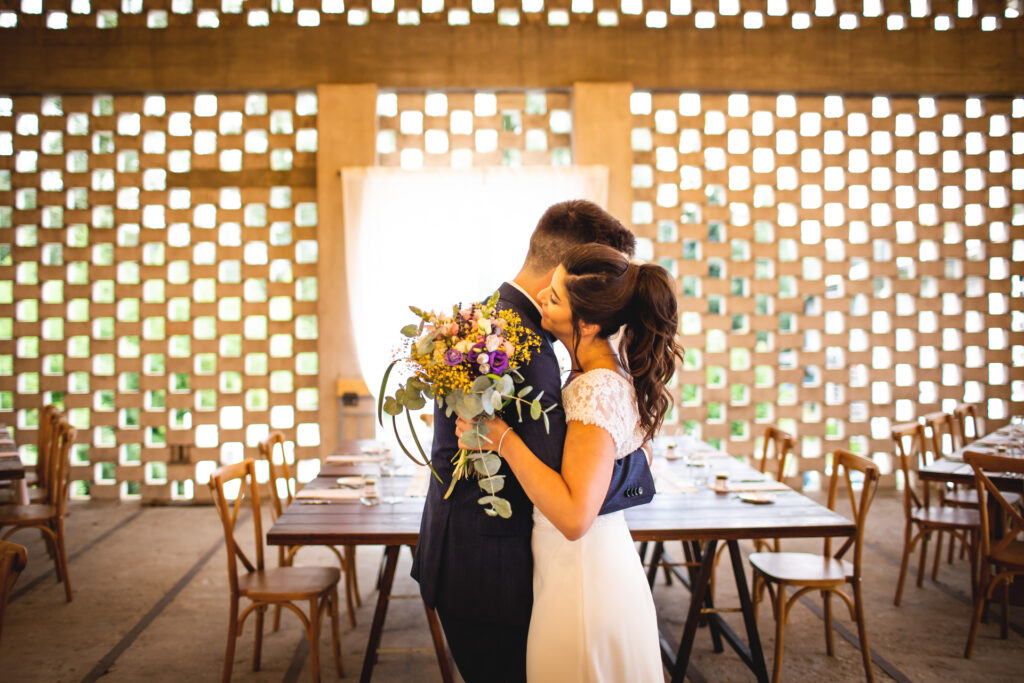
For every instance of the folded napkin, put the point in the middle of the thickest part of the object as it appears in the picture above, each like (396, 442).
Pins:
(329, 494)
(351, 459)
(666, 483)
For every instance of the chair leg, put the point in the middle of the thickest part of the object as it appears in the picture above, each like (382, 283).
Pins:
(313, 635)
(335, 635)
(862, 632)
(907, 546)
(350, 563)
(1004, 630)
(780, 628)
(938, 553)
(924, 556)
(257, 650)
(61, 558)
(229, 654)
(277, 617)
(972, 633)
(826, 597)
(351, 591)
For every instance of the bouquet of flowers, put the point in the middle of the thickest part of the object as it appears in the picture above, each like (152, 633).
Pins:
(467, 361)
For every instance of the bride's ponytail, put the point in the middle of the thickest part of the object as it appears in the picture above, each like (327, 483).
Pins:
(606, 290)
(648, 342)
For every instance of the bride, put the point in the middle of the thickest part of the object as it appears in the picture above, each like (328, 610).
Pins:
(593, 615)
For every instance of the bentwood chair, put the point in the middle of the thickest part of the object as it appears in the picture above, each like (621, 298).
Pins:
(262, 587)
(964, 414)
(48, 517)
(13, 559)
(828, 572)
(282, 492)
(922, 519)
(1003, 556)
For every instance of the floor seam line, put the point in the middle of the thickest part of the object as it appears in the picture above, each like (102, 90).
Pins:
(103, 666)
(74, 556)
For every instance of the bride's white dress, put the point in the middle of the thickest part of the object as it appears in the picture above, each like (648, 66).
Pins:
(593, 615)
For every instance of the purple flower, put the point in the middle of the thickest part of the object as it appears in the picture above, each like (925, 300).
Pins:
(499, 362)
(453, 357)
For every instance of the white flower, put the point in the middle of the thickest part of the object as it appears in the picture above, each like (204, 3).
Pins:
(485, 325)
(492, 342)
(483, 358)
(484, 368)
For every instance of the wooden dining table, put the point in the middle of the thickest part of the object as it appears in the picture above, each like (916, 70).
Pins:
(11, 467)
(952, 468)
(680, 511)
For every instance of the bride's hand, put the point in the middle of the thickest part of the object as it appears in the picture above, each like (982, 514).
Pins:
(496, 427)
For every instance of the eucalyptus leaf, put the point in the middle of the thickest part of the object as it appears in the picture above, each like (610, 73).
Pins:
(425, 347)
(410, 330)
(492, 484)
(535, 409)
(506, 385)
(519, 410)
(480, 384)
(487, 465)
(502, 508)
(474, 439)
(524, 391)
(470, 406)
(485, 402)
(391, 406)
(547, 424)
(496, 400)
(414, 401)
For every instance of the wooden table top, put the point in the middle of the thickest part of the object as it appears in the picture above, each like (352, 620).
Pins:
(698, 515)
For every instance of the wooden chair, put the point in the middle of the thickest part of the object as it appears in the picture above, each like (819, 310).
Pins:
(1005, 555)
(922, 519)
(36, 480)
(264, 587)
(48, 517)
(281, 478)
(827, 572)
(13, 559)
(963, 414)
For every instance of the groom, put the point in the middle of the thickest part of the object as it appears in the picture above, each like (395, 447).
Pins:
(475, 570)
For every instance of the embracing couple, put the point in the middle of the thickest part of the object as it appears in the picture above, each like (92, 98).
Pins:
(557, 592)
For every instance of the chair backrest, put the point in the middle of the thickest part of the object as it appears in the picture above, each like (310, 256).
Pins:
(963, 414)
(248, 496)
(280, 473)
(908, 447)
(58, 485)
(982, 463)
(13, 559)
(936, 427)
(48, 416)
(778, 445)
(844, 463)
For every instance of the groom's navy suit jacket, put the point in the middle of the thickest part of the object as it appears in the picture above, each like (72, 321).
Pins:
(480, 568)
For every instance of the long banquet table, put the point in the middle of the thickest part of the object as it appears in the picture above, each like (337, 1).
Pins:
(953, 469)
(679, 512)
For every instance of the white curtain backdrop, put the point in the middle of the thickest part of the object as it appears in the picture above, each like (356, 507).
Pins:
(434, 238)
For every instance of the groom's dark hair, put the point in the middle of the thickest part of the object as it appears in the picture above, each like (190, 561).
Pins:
(569, 224)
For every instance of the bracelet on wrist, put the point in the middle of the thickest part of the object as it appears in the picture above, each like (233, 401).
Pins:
(503, 435)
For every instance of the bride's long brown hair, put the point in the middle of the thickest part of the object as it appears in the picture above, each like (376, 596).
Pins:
(606, 290)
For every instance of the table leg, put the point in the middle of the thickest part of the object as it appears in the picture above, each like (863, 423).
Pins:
(444, 658)
(697, 595)
(22, 487)
(747, 607)
(383, 596)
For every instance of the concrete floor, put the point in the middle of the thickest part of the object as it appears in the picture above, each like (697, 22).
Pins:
(151, 605)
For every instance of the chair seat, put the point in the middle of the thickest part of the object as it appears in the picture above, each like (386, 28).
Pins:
(26, 514)
(950, 517)
(1011, 557)
(803, 568)
(288, 583)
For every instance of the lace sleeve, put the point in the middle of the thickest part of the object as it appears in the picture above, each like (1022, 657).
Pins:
(604, 399)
